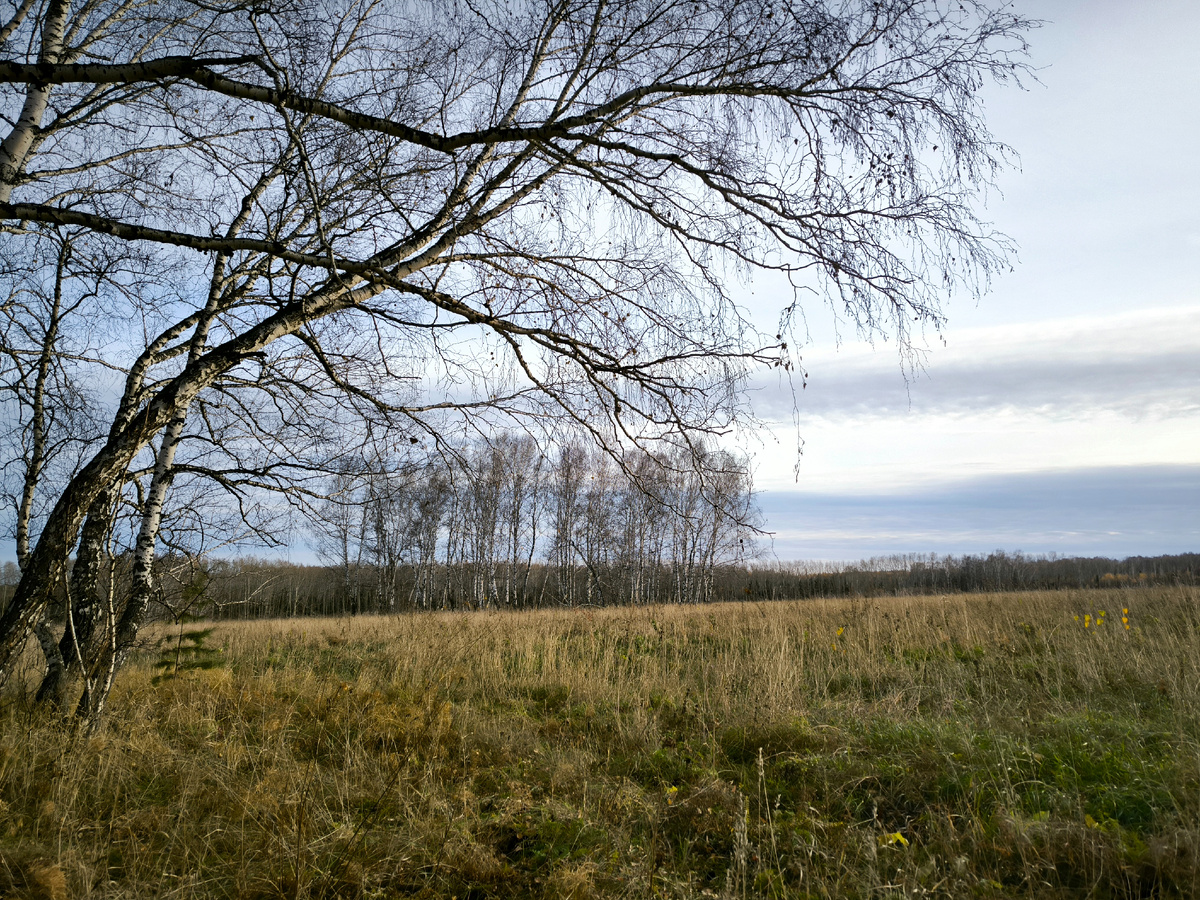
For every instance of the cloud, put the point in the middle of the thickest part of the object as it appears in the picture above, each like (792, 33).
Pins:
(1138, 365)
(1111, 511)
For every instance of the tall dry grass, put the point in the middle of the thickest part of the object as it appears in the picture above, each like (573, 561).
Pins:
(954, 746)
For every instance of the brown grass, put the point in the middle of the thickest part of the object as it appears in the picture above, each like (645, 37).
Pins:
(953, 746)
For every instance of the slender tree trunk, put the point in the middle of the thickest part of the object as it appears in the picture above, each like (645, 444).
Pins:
(77, 647)
(14, 150)
(142, 575)
(33, 473)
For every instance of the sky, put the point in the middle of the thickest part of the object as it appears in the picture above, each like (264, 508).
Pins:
(1062, 414)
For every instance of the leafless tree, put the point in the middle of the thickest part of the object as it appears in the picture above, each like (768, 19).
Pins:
(566, 516)
(338, 533)
(431, 212)
(644, 518)
(430, 500)
(521, 511)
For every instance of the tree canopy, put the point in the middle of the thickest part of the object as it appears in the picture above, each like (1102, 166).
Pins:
(235, 232)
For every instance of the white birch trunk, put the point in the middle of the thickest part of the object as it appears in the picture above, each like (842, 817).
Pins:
(14, 150)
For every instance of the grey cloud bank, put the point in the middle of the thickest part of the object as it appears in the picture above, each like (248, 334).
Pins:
(1117, 511)
(1133, 365)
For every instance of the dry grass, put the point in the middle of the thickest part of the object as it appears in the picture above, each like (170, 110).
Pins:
(981, 745)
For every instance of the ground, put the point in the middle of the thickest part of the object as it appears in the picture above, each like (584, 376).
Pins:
(1000, 745)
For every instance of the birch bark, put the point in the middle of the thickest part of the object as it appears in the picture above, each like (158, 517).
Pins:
(15, 148)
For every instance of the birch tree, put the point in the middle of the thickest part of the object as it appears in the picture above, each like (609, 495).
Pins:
(432, 212)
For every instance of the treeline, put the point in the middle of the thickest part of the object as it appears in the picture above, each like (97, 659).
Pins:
(251, 588)
(508, 523)
(999, 571)
(501, 523)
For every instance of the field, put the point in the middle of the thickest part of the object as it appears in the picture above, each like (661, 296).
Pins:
(1003, 745)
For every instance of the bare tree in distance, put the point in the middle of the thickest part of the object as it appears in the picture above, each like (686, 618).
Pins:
(503, 525)
(488, 212)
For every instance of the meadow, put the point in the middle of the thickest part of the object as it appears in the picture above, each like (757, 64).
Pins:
(1041, 744)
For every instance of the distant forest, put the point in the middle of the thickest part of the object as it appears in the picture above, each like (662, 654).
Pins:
(508, 524)
(250, 588)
